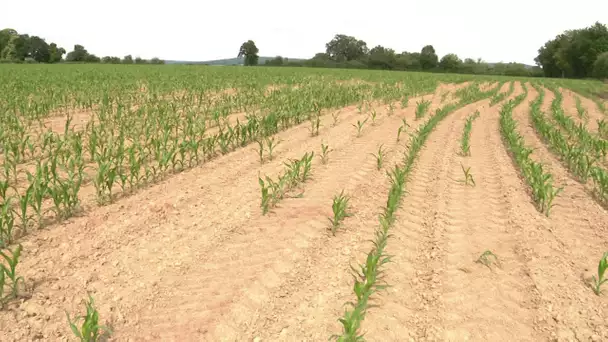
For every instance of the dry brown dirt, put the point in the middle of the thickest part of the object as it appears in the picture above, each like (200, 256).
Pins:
(193, 259)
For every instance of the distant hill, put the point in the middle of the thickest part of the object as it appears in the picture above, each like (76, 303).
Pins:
(228, 61)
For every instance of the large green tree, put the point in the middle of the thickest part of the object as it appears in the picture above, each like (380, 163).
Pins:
(600, 67)
(55, 53)
(39, 50)
(250, 52)
(574, 52)
(382, 58)
(80, 54)
(346, 48)
(428, 58)
(450, 63)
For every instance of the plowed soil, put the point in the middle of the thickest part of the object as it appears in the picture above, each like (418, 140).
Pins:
(193, 258)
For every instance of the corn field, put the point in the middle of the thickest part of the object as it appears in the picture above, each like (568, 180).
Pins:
(231, 203)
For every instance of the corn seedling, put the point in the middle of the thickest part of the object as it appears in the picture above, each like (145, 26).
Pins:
(296, 171)
(468, 177)
(404, 102)
(402, 128)
(379, 157)
(271, 144)
(340, 211)
(335, 116)
(260, 150)
(422, 108)
(359, 126)
(265, 196)
(601, 271)
(90, 330)
(465, 144)
(602, 128)
(487, 258)
(324, 153)
(581, 111)
(315, 123)
(7, 223)
(9, 273)
(373, 115)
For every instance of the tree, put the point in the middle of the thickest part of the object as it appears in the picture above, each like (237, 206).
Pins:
(17, 48)
(6, 36)
(91, 58)
(321, 56)
(55, 53)
(250, 52)
(156, 60)
(128, 59)
(139, 60)
(573, 52)
(39, 50)
(277, 61)
(600, 67)
(79, 54)
(382, 58)
(450, 62)
(346, 48)
(428, 58)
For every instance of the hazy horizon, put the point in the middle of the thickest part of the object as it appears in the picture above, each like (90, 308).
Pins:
(186, 30)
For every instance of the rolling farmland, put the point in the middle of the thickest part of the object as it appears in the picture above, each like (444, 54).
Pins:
(265, 204)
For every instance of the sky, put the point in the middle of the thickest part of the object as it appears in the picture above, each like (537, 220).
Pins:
(201, 30)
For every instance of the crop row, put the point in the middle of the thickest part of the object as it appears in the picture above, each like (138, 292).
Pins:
(577, 154)
(539, 181)
(367, 276)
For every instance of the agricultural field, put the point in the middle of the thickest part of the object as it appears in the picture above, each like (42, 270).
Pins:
(289, 204)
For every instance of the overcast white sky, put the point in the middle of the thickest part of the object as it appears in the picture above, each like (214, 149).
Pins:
(203, 30)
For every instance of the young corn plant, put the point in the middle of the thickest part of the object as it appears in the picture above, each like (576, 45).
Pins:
(359, 126)
(404, 102)
(335, 116)
(602, 129)
(324, 153)
(266, 196)
(90, 330)
(373, 115)
(271, 144)
(601, 271)
(9, 273)
(7, 222)
(422, 108)
(340, 211)
(402, 128)
(465, 144)
(600, 179)
(581, 111)
(260, 150)
(468, 177)
(379, 157)
(487, 258)
(315, 123)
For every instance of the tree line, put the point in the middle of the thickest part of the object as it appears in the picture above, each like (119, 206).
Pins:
(23, 48)
(580, 53)
(349, 52)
